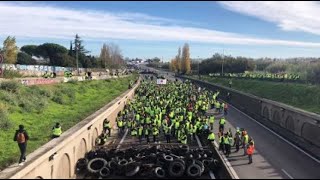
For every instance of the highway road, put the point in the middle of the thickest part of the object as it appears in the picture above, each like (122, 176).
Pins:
(274, 157)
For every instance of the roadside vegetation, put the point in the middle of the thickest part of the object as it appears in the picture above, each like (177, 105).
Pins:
(38, 108)
(303, 96)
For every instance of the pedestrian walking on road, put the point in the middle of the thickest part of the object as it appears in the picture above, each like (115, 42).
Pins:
(250, 152)
(21, 136)
(237, 140)
(226, 109)
(227, 145)
(222, 122)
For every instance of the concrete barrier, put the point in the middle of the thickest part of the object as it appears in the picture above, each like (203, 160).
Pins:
(299, 126)
(57, 158)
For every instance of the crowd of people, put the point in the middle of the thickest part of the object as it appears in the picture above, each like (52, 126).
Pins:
(260, 76)
(176, 112)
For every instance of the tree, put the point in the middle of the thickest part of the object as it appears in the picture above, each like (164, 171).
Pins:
(79, 45)
(105, 56)
(185, 60)
(24, 58)
(178, 61)
(116, 56)
(53, 52)
(10, 50)
(173, 65)
(71, 52)
(30, 49)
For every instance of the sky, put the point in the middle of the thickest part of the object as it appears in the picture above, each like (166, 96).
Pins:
(145, 29)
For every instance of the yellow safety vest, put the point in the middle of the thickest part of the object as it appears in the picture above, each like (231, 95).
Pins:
(57, 131)
(211, 136)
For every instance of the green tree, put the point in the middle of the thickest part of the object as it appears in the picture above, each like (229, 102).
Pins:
(24, 58)
(53, 52)
(30, 49)
(10, 50)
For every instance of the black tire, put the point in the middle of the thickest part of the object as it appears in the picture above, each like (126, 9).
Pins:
(201, 166)
(168, 158)
(95, 165)
(81, 164)
(112, 165)
(132, 169)
(105, 172)
(161, 161)
(194, 170)
(122, 163)
(159, 172)
(176, 169)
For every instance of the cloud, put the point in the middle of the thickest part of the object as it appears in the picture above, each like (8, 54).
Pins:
(42, 21)
(287, 15)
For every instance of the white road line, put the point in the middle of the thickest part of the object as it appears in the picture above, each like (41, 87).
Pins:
(224, 158)
(212, 175)
(227, 162)
(124, 136)
(287, 173)
(315, 159)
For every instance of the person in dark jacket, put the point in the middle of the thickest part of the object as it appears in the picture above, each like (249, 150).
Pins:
(21, 136)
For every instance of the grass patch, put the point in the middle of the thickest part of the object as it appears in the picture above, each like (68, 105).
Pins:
(303, 96)
(38, 108)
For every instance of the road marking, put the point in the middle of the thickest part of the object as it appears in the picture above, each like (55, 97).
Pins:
(287, 173)
(212, 175)
(315, 159)
(227, 162)
(124, 136)
(224, 158)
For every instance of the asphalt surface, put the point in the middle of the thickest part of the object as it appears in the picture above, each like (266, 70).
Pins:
(274, 158)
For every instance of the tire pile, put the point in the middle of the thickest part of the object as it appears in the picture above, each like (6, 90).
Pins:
(149, 162)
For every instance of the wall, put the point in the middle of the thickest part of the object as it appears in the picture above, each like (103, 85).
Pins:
(299, 126)
(39, 70)
(71, 146)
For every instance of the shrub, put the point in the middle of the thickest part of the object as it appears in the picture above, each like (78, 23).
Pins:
(58, 99)
(12, 86)
(5, 123)
(9, 98)
(11, 74)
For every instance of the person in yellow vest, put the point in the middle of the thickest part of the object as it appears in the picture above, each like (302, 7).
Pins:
(56, 131)
(227, 145)
(183, 138)
(134, 132)
(147, 132)
(155, 133)
(120, 126)
(140, 132)
(245, 141)
(222, 122)
(107, 126)
(211, 122)
(211, 137)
